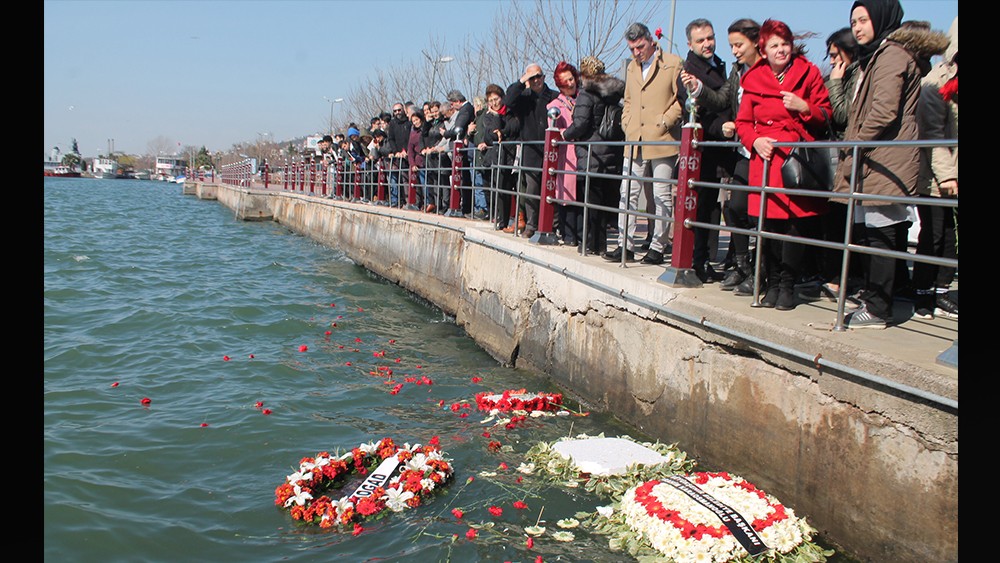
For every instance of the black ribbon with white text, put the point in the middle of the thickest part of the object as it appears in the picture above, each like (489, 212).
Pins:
(734, 521)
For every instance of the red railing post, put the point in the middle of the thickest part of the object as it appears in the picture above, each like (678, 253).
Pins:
(411, 189)
(680, 273)
(285, 174)
(381, 184)
(324, 168)
(312, 177)
(550, 156)
(357, 183)
(267, 172)
(455, 202)
(338, 179)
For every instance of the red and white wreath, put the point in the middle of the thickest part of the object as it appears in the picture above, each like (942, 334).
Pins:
(422, 469)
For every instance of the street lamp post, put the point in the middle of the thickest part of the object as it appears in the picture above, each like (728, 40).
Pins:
(434, 64)
(333, 101)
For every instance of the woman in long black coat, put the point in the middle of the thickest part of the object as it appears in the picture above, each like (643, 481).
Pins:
(598, 91)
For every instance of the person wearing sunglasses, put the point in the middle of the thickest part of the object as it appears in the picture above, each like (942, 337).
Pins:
(526, 100)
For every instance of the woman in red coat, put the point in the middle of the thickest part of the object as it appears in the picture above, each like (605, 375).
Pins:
(784, 100)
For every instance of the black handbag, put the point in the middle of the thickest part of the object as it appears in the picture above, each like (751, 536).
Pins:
(810, 168)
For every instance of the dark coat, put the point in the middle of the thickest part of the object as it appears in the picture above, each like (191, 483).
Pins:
(531, 111)
(713, 78)
(885, 109)
(508, 128)
(596, 94)
(413, 147)
(466, 114)
(398, 134)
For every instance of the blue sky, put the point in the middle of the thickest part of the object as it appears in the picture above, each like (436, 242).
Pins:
(214, 73)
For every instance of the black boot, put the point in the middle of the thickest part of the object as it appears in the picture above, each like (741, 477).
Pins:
(736, 276)
(772, 279)
(770, 298)
(786, 291)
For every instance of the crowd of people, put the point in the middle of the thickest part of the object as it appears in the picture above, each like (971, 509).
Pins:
(881, 86)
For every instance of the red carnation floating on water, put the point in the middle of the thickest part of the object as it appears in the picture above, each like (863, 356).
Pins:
(477, 379)
(266, 411)
(225, 358)
(471, 534)
(496, 511)
(204, 425)
(457, 512)
(303, 348)
(115, 384)
(530, 543)
(520, 505)
(146, 400)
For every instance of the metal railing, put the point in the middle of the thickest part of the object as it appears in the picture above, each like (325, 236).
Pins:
(445, 181)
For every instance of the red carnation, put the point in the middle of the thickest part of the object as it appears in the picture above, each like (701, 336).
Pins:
(457, 512)
(303, 348)
(471, 534)
(950, 90)
(520, 505)
(659, 33)
(496, 511)
(146, 400)
(530, 543)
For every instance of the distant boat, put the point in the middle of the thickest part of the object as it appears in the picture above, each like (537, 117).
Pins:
(142, 175)
(179, 179)
(61, 172)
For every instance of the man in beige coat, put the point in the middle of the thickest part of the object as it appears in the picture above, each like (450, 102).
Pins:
(651, 113)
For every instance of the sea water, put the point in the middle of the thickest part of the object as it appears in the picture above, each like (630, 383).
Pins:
(148, 291)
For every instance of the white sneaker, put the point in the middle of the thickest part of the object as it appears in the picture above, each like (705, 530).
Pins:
(863, 318)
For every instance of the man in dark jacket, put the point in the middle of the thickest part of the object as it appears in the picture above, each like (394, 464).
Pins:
(702, 63)
(526, 100)
(397, 137)
(465, 116)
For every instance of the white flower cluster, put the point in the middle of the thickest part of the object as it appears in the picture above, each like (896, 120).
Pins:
(782, 536)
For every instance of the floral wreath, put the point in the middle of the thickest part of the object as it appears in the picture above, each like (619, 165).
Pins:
(543, 456)
(421, 470)
(656, 519)
(518, 400)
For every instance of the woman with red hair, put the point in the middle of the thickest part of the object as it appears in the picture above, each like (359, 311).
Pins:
(567, 79)
(784, 100)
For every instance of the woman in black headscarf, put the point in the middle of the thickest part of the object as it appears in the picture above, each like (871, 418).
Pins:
(893, 59)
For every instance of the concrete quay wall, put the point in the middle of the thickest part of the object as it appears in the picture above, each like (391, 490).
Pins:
(874, 470)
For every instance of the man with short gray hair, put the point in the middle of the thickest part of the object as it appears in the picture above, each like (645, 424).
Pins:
(652, 113)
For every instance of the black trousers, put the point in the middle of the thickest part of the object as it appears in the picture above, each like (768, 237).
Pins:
(938, 237)
(880, 272)
(532, 187)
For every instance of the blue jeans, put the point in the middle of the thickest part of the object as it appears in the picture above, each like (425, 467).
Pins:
(478, 194)
(393, 187)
